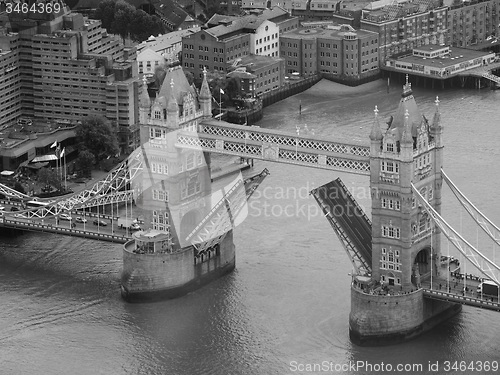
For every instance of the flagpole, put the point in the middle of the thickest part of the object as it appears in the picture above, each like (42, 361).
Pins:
(65, 175)
(220, 103)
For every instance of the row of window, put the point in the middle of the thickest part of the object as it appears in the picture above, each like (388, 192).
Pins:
(391, 204)
(390, 167)
(391, 231)
(159, 195)
(267, 38)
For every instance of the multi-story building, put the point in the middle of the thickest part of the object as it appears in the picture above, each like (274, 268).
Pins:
(269, 72)
(276, 14)
(473, 23)
(214, 49)
(69, 67)
(10, 80)
(169, 45)
(407, 25)
(337, 50)
(148, 60)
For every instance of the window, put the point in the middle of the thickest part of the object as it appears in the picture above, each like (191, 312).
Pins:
(190, 162)
(390, 147)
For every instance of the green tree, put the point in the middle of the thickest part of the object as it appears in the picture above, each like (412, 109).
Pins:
(106, 13)
(49, 177)
(96, 135)
(160, 73)
(84, 163)
(124, 14)
(19, 187)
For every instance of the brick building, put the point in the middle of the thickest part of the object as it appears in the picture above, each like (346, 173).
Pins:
(337, 50)
(407, 25)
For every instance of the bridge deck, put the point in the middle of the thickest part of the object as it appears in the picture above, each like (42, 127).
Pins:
(453, 290)
(339, 206)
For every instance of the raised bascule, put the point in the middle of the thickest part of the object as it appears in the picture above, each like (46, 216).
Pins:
(401, 281)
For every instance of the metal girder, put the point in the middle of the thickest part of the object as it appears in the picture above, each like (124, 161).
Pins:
(107, 190)
(487, 267)
(361, 267)
(486, 224)
(256, 143)
(221, 218)
(9, 192)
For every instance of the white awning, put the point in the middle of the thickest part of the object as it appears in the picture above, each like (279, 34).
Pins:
(44, 158)
(7, 173)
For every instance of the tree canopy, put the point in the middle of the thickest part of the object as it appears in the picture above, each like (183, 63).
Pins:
(119, 17)
(96, 135)
(49, 177)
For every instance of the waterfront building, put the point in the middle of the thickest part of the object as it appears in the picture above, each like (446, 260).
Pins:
(336, 50)
(224, 45)
(473, 24)
(69, 67)
(246, 81)
(440, 62)
(269, 72)
(402, 27)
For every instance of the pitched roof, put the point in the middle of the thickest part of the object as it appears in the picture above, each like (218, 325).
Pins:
(181, 85)
(407, 103)
(149, 54)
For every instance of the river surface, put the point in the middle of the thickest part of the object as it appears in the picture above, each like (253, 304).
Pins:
(287, 303)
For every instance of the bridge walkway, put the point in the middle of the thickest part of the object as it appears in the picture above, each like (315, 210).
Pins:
(348, 220)
(455, 290)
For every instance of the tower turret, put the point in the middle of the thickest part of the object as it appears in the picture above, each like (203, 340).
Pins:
(144, 103)
(205, 97)
(436, 129)
(172, 108)
(406, 140)
(375, 135)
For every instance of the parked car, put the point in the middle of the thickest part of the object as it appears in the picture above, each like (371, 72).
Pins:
(65, 217)
(14, 208)
(2, 208)
(101, 223)
(135, 226)
(79, 219)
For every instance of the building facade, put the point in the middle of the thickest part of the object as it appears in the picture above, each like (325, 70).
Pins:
(269, 72)
(336, 50)
(402, 27)
(472, 23)
(69, 68)
(214, 49)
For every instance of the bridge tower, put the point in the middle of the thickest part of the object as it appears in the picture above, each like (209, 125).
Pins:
(174, 196)
(405, 247)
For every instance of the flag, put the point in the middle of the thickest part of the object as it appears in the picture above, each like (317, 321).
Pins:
(58, 150)
(221, 91)
(54, 144)
(62, 152)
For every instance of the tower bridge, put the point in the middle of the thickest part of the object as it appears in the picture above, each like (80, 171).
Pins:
(400, 287)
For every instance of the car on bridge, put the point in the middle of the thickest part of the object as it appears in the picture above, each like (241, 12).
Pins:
(65, 217)
(135, 226)
(80, 219)
(101, 223)
(15, 208)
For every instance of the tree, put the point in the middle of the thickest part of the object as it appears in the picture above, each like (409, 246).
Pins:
(122, 18)
(106, 13)
(159, 75)
(124, 14)
(84, 163)
(96, 135)
(49, 177)
(19, 187)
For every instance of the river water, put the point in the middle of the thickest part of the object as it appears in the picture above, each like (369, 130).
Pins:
(287, 303)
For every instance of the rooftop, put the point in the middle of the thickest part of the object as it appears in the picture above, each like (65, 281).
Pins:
(335, 31)
(161, 42)
(456, 56)
(255, 62)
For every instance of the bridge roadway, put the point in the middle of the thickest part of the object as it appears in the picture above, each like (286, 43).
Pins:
(342, 211)
(453, 290)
